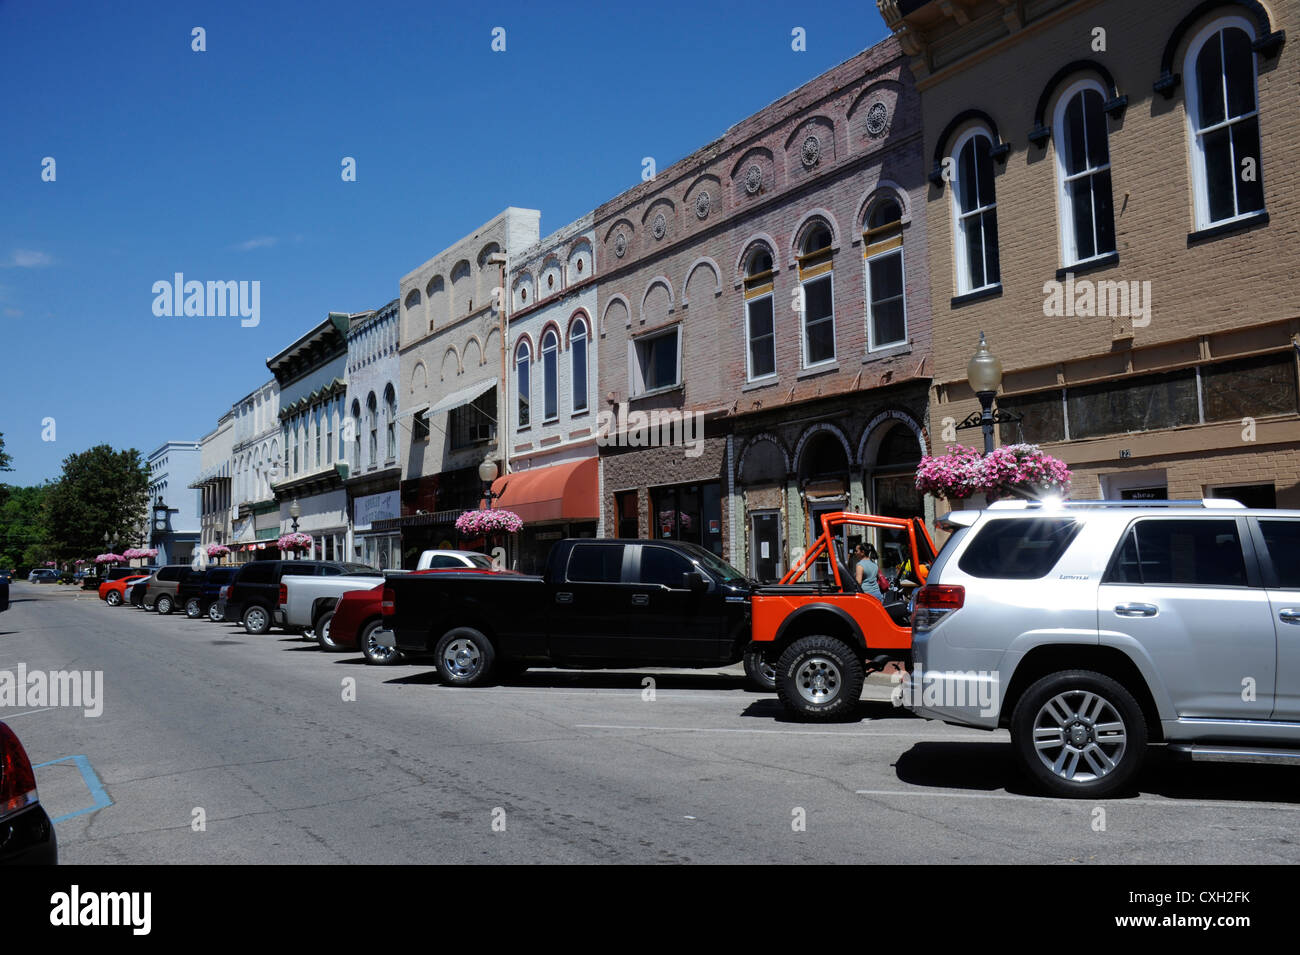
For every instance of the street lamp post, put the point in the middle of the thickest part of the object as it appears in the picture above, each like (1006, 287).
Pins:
(295, 511)
(984, 372)
(487, 473)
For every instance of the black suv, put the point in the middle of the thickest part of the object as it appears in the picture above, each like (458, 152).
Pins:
(202, 588)
(254, 598)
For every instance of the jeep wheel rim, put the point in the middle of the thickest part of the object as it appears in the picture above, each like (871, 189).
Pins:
(818, 680)
(1079, 736)
(462, 658)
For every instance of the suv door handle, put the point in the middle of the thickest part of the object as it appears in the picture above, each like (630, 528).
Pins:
(1289, 615)
(1136, 610)
(640, 600)
(564, 597)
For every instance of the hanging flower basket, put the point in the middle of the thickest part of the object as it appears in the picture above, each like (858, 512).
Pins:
(483, 523)
(1024, 470)
(110, 559)
(218, 550)
(295, 541)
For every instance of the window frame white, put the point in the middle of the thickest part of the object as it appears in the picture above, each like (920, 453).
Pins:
(750, 377)
(1065, 208)
(524, 394)
(550, 375)
(579, 337)
(872, 344)
(964, 284)
(1191, 109)
(828, 275)
(636, 376)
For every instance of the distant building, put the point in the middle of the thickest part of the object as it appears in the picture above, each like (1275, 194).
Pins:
(174, 517)
(374, 472)
(255, 462)
(213, 483)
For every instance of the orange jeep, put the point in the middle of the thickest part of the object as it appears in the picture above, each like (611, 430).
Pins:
(821, 632)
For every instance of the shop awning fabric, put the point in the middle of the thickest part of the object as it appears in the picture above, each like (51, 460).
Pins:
(561, 492)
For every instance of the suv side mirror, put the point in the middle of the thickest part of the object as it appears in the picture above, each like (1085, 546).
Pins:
(694, 581)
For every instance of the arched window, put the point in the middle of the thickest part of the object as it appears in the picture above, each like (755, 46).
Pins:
(356, 435)
(550, 376)
(523, 382)
(975, 215)
(817, 295)
(882, 240)
(760, 357)
(578, 364)
(372, 408)
(390, 420)
(1083, 171)
(1223, 117)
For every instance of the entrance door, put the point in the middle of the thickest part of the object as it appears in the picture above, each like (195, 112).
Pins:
(765, 561)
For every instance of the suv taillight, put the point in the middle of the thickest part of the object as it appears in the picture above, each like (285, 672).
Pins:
(17, 781)
(225, 591)
(284, 594)
(934, 602)
(388, 605)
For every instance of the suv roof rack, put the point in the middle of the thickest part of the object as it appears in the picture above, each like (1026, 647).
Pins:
(1205, 502)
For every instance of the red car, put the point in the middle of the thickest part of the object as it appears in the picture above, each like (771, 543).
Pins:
(357, 616)
(113, 592)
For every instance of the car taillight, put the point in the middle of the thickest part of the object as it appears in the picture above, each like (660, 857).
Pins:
(284, 594)
(934, 602)
(225, 591)
(17, 781)
(388, 605)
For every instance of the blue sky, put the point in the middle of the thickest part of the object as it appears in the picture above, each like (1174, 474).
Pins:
(225, 165)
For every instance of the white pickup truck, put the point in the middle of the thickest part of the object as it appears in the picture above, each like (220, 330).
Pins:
(307, 603)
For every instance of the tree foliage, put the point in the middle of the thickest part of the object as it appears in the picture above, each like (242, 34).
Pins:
(100, 491)
(24, 538)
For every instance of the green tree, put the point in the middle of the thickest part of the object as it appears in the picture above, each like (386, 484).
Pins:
(24, 536)
(6, 461)
(100, 491)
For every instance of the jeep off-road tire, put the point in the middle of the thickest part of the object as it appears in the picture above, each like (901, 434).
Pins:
(761, 674)
(1079, 734)
(819, 678)
(464, 657)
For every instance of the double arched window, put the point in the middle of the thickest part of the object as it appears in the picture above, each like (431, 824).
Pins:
(975, 212)
(1223, 122)
(1083, 173)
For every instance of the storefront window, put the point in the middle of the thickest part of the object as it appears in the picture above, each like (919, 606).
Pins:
(688, 512)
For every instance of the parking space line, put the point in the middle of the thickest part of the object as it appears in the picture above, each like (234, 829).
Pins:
(43, 709)
(1141, 803)
(90, 778)
(718, 729)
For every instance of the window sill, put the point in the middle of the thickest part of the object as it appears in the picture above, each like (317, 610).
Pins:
(555, 420)
(1231, 227)
(820, 368)
(767, 381)
(657, 391)
(888, 351)
(991, 291)
(1088, 265)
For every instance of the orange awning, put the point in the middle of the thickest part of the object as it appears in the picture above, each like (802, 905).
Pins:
(561, 492)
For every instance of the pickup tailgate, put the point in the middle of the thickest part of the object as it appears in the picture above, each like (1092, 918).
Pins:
(510, 609)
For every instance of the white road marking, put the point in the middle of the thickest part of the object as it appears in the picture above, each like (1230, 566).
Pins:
(9, 716)
(716, 729)
(1117, 804)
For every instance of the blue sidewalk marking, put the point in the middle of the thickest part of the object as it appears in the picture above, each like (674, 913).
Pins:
(88, 775)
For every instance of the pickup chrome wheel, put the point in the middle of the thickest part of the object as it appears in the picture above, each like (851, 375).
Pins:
(374, 653)
(762, 675)
(464, 657)
(113, 599)
(1079, 733)
(819, 678)
(322, 632)
(193, 608)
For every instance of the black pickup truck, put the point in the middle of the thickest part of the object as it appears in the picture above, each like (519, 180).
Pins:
(600, 604)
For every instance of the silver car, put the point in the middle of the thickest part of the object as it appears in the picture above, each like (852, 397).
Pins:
(1092, 629)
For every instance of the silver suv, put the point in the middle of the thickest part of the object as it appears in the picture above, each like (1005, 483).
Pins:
(1091, 629)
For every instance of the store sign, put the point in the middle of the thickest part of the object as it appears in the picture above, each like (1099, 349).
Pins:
(375, 507)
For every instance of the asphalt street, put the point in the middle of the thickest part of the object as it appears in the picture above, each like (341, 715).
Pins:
(255, 738)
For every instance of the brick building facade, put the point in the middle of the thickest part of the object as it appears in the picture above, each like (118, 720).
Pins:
(769, 294)
(1110, 188)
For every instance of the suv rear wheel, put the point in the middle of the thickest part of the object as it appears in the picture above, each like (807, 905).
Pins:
(819, 678)
(163, 605)
(1079, 734)
(194, 608)
(257, 619)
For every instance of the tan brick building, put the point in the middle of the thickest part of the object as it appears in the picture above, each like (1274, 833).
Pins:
(1111, 203)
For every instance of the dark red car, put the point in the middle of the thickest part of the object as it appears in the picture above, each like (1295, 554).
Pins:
(357, 616)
